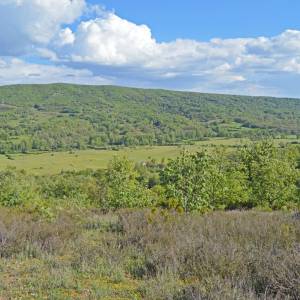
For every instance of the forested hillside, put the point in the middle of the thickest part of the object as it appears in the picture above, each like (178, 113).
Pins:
(60, 117)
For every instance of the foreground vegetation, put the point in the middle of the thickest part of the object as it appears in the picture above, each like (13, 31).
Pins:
(255, 175)
(218, 223)
(61, 117)
(142, 254)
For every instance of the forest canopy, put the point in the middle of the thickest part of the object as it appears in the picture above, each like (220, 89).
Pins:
(62, 117)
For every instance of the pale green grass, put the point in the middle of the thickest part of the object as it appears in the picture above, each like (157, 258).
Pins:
(52, 163)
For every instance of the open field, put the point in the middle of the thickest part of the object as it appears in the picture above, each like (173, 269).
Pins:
(237, 255)
(54, 162)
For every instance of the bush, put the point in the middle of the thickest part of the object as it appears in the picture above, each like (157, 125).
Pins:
(16, 188)
(122, 186)
(258, 175)
(271, 175)
(79, 188)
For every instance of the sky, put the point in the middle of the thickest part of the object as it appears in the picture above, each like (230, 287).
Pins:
(233, 46)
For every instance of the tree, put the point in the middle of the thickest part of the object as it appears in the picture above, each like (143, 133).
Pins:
(200, 181)
(16, 189)
(122, 187)
(271, 174)
(227, 185)
(186, 179)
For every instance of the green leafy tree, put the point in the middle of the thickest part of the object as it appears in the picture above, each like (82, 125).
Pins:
(201, 181)
(271, 174)
(186, 179)
(226, 184)
(122, 186)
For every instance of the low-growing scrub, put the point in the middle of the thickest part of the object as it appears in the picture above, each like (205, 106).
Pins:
(150, 254)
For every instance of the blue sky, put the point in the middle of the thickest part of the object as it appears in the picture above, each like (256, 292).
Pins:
(203, 19)
(232, 46)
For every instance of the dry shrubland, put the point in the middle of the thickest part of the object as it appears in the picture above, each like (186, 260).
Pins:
(143, 254)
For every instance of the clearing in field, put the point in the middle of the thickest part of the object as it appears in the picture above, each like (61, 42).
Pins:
(49, 163)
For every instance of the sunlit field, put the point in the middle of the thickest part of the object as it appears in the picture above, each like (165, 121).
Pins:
(54, 162)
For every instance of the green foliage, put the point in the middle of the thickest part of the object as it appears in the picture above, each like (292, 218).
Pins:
(226, 183)
(122, 186)
(79, 188)
(16, 188)
(186, 180)
(257, 175)
(271, 175)
(62, 117)
(202, 181)
(260, 175)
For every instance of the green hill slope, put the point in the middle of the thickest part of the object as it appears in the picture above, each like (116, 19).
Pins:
(61, 116)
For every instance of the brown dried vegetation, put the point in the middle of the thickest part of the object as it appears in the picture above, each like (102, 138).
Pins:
(142, 254)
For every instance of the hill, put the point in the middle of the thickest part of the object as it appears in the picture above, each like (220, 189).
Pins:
(63, 117)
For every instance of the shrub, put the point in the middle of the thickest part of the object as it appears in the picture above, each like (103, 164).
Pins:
(16, 188)
(271, 175)
(78, 188)
(122, 186)
(247, 254)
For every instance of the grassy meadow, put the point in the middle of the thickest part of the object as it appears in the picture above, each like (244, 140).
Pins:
(45, 163)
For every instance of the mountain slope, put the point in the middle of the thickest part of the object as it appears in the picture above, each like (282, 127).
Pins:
(61, 116)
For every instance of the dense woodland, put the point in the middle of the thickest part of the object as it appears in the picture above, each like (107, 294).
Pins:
(62, 117)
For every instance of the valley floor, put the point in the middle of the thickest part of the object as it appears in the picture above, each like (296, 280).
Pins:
(50, 163)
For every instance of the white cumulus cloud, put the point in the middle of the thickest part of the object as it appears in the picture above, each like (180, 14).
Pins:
(112, 41)
(15, 70)
(102, 44)
(25, 23)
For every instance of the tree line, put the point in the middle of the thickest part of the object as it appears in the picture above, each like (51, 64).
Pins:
(257, 175)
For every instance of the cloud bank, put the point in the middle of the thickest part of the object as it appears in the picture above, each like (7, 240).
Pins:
(71, 41)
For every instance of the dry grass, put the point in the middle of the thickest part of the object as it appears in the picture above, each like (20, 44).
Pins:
(150, 255)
